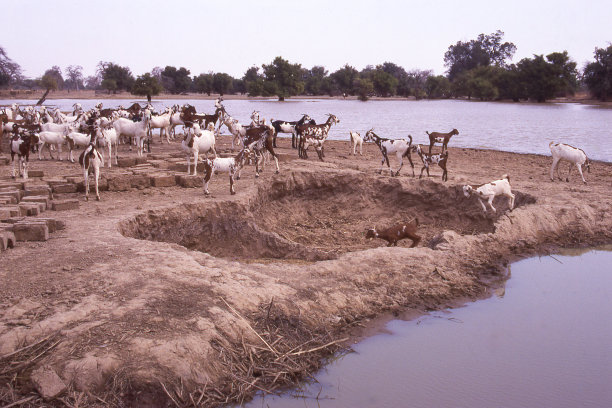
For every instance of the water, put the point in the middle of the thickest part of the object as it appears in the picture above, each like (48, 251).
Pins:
(545, 342)
(522, 128)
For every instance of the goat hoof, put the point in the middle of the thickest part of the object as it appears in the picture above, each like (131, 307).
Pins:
(97, 198)
(86, 198)
(232, 192)
(278, 172)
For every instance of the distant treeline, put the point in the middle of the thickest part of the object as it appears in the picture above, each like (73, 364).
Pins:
(478, 69)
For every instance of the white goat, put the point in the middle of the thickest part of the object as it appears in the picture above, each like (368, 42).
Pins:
(161, 122)
(91, 159)
(196, 142)
(490, 190)
(57, 139)
(577, 157)
(108, 137)
(231, 165)
(136, 130)
(77, 139)
(356, 140)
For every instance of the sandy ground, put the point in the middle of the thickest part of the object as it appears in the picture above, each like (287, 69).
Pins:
(164, 297)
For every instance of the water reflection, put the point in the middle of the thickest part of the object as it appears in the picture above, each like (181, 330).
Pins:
(545, 343)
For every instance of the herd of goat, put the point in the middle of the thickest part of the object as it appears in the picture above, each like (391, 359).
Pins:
(101, 129)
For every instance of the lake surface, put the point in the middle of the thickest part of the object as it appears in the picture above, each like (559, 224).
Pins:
(514, 127)
(546, 341)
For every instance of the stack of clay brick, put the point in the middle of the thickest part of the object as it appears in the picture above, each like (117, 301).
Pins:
(21, 204)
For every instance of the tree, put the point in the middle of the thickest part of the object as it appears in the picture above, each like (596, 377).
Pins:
(544, 79)
(315, 83)
(122, 76)
(203, 83)
(384, 84)
(109, 85)
(415, 82)
(176, 80)
(566, 71)
(344, 78)
(253, 81)
(222, 83)
(52, 79)
(75, 77)
(598, 74)
(484, 51)
(364, 88)
(93, 82)
(147, 85)
(437, 87)
(10, 71)
(282, 78)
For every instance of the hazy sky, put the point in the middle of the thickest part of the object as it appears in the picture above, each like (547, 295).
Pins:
(230, 36)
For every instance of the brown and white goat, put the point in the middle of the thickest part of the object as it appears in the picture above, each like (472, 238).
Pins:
(21, 144)
(437, 137)
(231, 165)
(91, 160)
(487, 192)
(429, 159)
(396, 233)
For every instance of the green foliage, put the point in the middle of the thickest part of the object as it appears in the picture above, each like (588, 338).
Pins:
(282, 79)
(484, 51)
(384, 84)
(10, 71)
(315, 83)
(544, 79)
(122, 76)
(203, 83)
(74, 74)
(598, 74)
(222, 83)
(344, 78)
(109, 85)
(146, 85)
(253, 82)
(437, 87)
(52, 79)
(176, 81)
(364, 88)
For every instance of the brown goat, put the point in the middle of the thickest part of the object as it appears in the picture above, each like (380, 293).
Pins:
(437, 137)
(394, 234)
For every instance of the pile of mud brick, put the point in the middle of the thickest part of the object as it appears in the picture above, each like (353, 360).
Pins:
(23, 201)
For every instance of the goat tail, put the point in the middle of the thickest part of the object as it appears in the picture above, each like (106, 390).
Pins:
(428, 134)
(507, 177)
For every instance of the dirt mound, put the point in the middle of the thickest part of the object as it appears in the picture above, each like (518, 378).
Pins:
(312, 217)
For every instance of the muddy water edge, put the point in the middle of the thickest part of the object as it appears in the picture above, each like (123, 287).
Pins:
(543, 339)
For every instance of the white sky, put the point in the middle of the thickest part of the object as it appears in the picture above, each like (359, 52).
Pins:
(231, 36)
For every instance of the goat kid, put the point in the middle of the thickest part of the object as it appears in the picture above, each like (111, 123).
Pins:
(91, 160)
(396, 233)
(576, 157)
(437, 137)
(429, 159)
(197, 141)
(231, 165)
(21, 144)
(356, 140)
(487, 192)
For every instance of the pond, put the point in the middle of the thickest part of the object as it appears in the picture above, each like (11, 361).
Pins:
(545, 340)
(514, 127)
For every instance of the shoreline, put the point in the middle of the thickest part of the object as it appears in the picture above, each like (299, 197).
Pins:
(90, 95)
(137, 302)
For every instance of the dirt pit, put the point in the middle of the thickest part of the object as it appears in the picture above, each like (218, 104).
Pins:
(312, 217)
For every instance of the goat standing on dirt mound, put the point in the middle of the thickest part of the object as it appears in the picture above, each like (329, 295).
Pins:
(577, 157)
(231, 165)
(437, 137)
(429, 159)
(91, 159)
(401, 148)
(397, 232)
(491, 190)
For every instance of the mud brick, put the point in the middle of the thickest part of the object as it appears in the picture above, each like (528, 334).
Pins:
(62, 205)
(126, 162)
(36, 173)
(159, 164)
(7, 239)
(4, 226)
(14, 210)
(141, 160)
(140, 181)
(55, 181)
(120, 182)
(12, 197)
(5, 213)
(6, 200)
(51, 223)
(64, 188)
(102, 185)
(74, 179)
(188, 181)
(30, 209)
(163, 180)
(16, 185)
(31, 231)
(14, 220)
(37, 199)
(38, 190)
(47, 383)
(17, 194)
